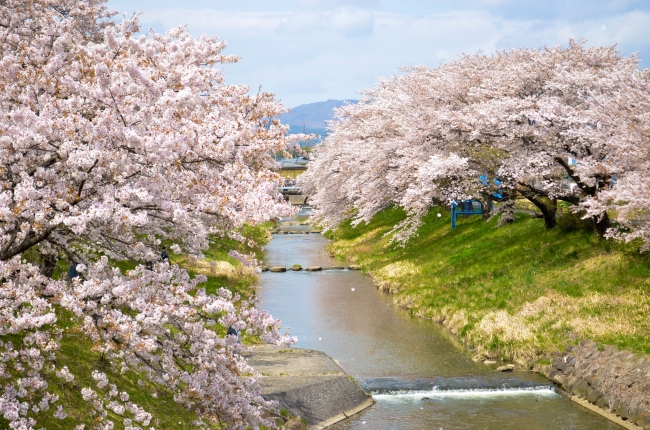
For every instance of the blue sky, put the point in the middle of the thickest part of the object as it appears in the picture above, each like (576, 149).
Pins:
(306, 51)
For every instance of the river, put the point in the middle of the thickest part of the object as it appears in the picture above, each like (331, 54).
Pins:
(418, 377)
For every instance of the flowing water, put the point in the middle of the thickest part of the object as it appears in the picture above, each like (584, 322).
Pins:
(418, 377)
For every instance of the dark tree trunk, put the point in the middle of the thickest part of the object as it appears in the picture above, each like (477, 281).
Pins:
(549, 211)
(602, 223)
(48, 265)
(486, 207)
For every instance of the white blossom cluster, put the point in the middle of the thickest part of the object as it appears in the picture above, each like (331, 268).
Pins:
(245, 259)
(110, 142)
(565, 124)
(108, 398)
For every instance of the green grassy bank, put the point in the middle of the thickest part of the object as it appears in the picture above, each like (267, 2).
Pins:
(76, 351)
(514, 292)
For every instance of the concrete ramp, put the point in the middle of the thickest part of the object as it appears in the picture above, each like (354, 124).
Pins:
(308, 384)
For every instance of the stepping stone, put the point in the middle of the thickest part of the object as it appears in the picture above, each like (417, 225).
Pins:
(264, 268)
(296, 267)
(278, 269)
(314, 269)
(354, 267)
(506, 368)
(335, 268)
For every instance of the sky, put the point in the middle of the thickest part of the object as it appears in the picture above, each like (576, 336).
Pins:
(306, 51)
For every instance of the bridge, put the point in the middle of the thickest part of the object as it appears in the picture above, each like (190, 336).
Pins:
(289, 190)
(290, 169)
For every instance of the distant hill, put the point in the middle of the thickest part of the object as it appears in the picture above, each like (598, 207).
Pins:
(312, 116)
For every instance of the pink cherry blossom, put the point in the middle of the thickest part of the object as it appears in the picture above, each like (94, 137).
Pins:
(556, 124)
(112, 141)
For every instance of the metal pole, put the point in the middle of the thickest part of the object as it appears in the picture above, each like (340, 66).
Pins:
(453, 215)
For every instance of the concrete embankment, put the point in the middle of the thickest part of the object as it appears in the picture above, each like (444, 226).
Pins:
(617, 382)
(308, 384)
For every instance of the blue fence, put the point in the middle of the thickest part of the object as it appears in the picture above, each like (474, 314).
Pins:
(473, 207)
(465, 207)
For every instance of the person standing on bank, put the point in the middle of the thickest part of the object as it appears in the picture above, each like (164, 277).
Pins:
(72, 270)
(232, 331)
(164, 256)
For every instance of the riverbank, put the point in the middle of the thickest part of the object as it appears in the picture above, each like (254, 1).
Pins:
(515, 293)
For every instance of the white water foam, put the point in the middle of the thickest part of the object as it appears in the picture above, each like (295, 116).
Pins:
(545, 391)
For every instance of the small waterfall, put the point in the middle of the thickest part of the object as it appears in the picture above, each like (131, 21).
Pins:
(456, 387)
(436, 393)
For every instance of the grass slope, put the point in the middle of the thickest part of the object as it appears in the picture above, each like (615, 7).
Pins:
(513, 292)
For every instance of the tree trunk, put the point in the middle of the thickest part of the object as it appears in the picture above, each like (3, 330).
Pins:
(48, 265)
(602, 223)
(486, 207)
(507, 210)
(549, 211)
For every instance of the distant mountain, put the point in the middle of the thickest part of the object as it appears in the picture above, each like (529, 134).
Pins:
(311, 116)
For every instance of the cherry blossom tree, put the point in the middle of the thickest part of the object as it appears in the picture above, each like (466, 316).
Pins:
(110, 142)
(400, 145)
(625, 118)
(526, 121)
(537, 106)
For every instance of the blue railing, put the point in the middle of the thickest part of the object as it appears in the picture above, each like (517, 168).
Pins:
(465, 207)
(473, 207)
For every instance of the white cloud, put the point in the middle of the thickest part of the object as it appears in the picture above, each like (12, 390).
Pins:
(219, 23)
(312, 50)
(344, 21)
(353, 22)
(629, 31)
